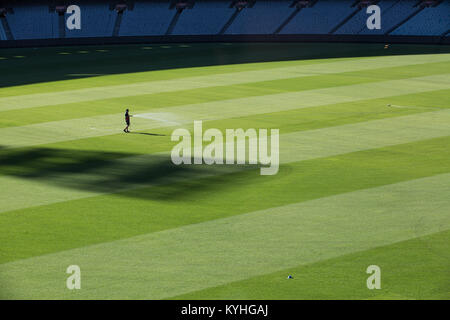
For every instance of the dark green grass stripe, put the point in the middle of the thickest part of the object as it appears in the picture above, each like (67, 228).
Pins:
(57, 227)
(412, 269)
(12, 118)
(286, 121)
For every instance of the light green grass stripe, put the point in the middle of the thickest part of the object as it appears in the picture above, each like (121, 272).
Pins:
(108, 92)
(75, 129)
(297, 146)
(21, 117)
(320, 143)
(194, 257)
(411, 269)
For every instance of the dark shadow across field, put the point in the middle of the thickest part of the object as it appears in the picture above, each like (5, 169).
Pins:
(113, 172)
(63, 63)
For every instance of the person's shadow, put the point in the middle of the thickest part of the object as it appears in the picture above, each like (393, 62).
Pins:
(149, 134)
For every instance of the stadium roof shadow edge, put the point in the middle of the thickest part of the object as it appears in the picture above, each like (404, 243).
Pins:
(132, 59)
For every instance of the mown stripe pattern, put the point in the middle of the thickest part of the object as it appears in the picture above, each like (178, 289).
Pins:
(164, 231)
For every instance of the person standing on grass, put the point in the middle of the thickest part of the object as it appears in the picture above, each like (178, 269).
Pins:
(127, 120)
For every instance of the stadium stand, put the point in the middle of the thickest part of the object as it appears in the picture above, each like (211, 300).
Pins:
(262, 18)
(5, 29)
(147, 18)
(356, 24)
(2, 33)
(39, 20)
(33, 21)
(430, 21)
(393, 12)
(97, 21)
(320, 18)
(206, 17)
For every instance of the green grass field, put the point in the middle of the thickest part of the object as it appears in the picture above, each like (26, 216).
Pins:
(364, 174)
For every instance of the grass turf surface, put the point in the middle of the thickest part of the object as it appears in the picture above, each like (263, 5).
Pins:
(360, 182)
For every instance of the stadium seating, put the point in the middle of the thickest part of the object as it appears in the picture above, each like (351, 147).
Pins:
(97, 21)
(355, 25)
(392, 13)
(147, 18)
(208, 17)
(319, 19)
(2, 33)
(430, 21)
(263, 18)
(33, 22)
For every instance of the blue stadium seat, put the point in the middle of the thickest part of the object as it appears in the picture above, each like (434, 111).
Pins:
(392, 13)
(430, 21)
(206, 17)
(264, 18)
(147, 18)
(96, 21)
(33, 22)
(321, 18)
(2, 33)
(355, 24)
